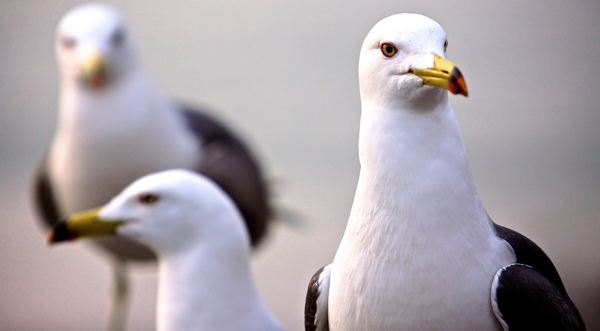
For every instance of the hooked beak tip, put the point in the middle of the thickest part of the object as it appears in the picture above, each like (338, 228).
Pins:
(443, 74)
(458, 85)
(61, 233)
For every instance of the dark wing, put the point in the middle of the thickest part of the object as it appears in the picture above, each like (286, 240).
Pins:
(524, 299)
(317, 296)
(538, 293)
(228, 162)
(43, 196)
(531, 254)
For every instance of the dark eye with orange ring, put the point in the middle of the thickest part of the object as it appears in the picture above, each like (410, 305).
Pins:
(388, 49)
(148, 199)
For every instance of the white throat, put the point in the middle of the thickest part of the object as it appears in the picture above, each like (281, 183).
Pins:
(204, 289)
(410, 159)
(416, 220)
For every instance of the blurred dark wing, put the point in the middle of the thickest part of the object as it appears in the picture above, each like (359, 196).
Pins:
(315, 310)
(227, 161)
(523, 300)
(43, 197)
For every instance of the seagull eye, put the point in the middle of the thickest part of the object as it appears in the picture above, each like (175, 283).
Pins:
(445, 45)
(148, 199)
(388, 49)
(118, 37)
(68, 42)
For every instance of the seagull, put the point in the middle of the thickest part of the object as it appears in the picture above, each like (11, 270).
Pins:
(197, 232)
(420, 251)
(114, 127)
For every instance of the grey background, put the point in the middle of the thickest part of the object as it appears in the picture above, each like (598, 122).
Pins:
(285, 75)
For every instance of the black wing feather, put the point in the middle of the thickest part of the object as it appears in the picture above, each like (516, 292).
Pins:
(528, 301)
(317, 287)
(43, 197)
(310, 307)
(531, 254)
(531, 296)
(228, 162)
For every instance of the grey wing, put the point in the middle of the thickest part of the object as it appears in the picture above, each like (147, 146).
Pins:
(317, 299)
(230, 163)
(44, 199)
(534, 285)
(523, 299)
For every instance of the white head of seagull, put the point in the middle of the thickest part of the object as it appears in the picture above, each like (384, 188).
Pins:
(406, 116)
(401, 56)
(205, 281)
(173, 211)
(93, 47)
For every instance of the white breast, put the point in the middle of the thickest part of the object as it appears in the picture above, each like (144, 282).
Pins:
(419, 252)
(104, 142)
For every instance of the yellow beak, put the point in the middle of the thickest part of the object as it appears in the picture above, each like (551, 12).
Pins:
(84, 224)
(444, 74)
(94, 70)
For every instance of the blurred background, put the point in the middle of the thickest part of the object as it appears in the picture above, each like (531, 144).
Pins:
(284, 74)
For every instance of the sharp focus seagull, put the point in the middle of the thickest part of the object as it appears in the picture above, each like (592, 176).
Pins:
(419, 251)
(195, 229)
(113, 128)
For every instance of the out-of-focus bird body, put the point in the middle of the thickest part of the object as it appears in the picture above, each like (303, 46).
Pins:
(114, 127)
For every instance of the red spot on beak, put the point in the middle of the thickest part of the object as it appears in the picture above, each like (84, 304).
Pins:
(97, 81)
(457, 84)
(60, 233)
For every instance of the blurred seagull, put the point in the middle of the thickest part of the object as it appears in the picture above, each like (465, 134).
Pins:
(420, 251)
(195, 229)
(113, 127)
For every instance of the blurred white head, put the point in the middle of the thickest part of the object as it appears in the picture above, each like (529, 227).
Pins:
(173, 210)
(93, 47)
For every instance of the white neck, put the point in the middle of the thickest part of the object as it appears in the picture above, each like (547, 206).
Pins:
(416, 221)
(204, 289)
(110, 108)
(414, 165)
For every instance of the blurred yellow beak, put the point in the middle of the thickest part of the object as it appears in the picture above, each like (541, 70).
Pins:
(95, 69)
(84, 224)
(444, 74)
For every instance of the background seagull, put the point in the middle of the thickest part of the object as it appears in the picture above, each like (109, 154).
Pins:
(420, 251)
(114, 127)
(205, 281)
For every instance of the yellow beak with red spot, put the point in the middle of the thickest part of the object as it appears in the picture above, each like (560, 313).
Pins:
(84, 224)
(95, 69)
(444, 74)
